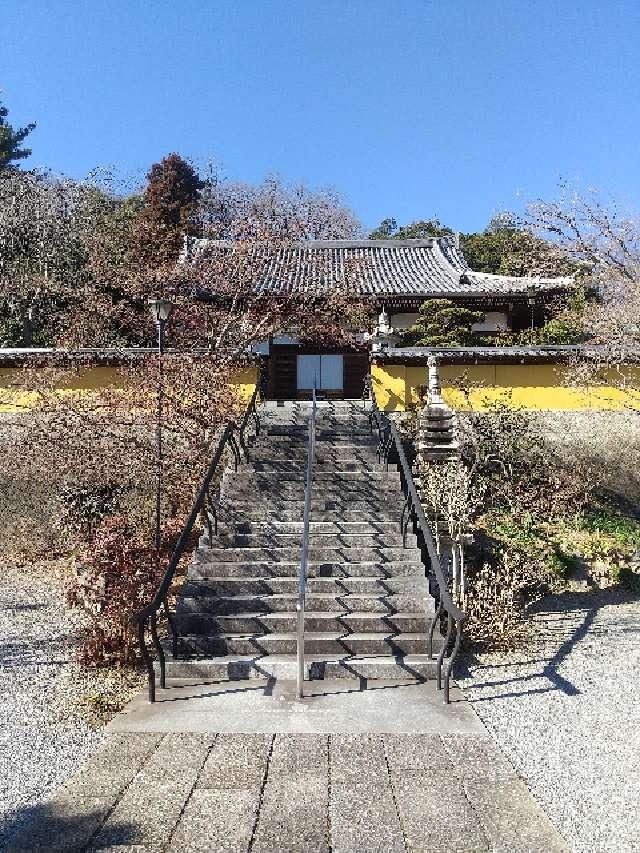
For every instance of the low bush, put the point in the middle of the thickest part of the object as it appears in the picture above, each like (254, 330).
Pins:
(84, 506)
(119, 577)
(629, 579)
(544, 511)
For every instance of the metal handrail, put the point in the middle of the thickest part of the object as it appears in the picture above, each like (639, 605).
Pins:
(147, 618)
(388, 437)
(302, 590)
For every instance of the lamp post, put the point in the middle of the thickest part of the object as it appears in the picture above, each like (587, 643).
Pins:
(531, 301)
(160, 311)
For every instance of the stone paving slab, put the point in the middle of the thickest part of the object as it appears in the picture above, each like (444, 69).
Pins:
(218, 821)
(512, 820)
(236, 762)
(64, 824)
(356, 758)
(476, 757)
(293, 793)
(148, 812)
(293, 816)
(363, 816)
(300, 756)
(436, 815)
(420, 752)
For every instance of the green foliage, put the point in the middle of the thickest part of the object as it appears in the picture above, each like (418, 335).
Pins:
(484, 251)
(384, 231)
(563, 564)
(442, 323)
(11, 141)
(389, 230)
(625, 531)
(503, 248)
(559, 331)
(629, 579)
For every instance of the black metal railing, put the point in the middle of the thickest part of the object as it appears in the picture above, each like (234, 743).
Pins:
(302, 589)
(233, 438)
(389, 439)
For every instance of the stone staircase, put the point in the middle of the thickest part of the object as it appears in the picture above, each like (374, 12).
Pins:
(368, 607)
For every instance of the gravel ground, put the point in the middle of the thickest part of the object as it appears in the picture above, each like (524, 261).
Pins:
(566, 711)
(45, 728)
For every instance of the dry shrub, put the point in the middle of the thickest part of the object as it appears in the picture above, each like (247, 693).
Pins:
(94, 454)
(120, 576)
(84, 467)
(496, 602)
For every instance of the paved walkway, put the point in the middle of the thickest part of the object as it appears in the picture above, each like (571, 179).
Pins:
(436, 786)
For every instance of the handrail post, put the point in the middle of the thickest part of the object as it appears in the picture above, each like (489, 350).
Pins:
(300, 649)
(300, 606)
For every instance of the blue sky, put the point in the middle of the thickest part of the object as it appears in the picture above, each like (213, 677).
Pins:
(456, 108)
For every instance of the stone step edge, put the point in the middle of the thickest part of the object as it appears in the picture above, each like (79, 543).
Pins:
(317, 667)
(312, 635)
(311, 614)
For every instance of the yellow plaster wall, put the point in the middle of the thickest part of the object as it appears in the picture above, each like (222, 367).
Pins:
(13, 400)
(244, 381)
(528, 386)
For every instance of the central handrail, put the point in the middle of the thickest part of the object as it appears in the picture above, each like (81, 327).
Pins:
(302, 590)
(388, 437)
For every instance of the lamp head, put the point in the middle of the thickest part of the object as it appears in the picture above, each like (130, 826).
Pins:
(160, 310)
(532, 292)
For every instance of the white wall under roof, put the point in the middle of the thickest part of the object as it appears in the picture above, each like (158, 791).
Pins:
(494, 321)
(403, 321)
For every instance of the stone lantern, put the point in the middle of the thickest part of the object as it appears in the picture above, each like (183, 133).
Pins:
(437, 428)
(383, 336)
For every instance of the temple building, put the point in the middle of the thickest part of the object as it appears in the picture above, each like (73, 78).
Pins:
(395, 277)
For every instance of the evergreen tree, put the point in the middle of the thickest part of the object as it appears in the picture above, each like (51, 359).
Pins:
(170, 211)
(11, 141)
(442, 323)
(423, 228)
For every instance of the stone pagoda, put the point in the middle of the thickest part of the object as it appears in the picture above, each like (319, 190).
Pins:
(437, 427)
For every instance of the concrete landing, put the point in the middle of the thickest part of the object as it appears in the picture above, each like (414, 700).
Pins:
(329, 706)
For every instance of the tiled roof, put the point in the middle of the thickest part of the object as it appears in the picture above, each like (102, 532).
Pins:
(433, 267)
(470, 355)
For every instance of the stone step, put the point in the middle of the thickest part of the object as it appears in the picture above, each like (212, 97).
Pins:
(321, 498)
(374, 588)
(331, 433)
(325, 451)
(280, 489)
(284, 667)
(316, 527)
(204, 570)
(274, 539)
(194, 600)
(320, 466)
(290, 473)
(317, 553)
(376, 507)
(232, 514)
(325, 643)
(282, 622)
(366, 455)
